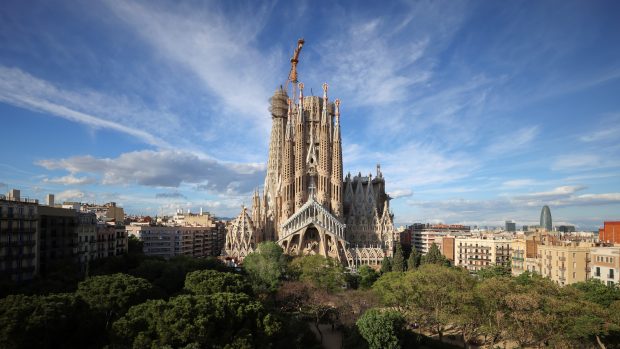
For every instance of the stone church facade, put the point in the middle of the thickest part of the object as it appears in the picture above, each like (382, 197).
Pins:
(307, 206)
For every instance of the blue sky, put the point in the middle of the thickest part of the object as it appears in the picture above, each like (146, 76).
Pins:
(478, 112)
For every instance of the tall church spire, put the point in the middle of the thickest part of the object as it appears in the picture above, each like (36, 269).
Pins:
(288, 168)
(336, 165)
(300, 150)
(324, 168)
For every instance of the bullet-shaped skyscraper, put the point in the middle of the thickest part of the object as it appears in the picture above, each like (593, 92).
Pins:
(545, 218)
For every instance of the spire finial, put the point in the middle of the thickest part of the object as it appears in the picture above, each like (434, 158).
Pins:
(290, 108)
(325, 90)
(337, 112)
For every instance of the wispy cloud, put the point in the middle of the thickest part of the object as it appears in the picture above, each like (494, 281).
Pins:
(219, 49)
(73, 195)
(584, 161)
(165, 168)
(170, 195)
(556, 193)
(89, 108)
(70, 180)
(512, 142)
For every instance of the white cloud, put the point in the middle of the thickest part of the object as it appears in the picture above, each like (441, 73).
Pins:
(579, 161)
(87, 107)
(165, 168)
(400, 193)
(512, 142)
(70, 180)
(559, 192)
(72, 195)
(220, 50)
(517, 183)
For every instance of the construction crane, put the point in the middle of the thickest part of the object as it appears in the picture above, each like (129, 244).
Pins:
(292, 75)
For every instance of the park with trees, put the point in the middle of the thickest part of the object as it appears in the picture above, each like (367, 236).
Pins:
(275, 301)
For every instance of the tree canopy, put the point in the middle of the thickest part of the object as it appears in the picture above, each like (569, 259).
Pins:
(265, 267)
(202, 321)
(112, 295)
(204, 282)
(324, 273)
(381, 329)
(398, 262)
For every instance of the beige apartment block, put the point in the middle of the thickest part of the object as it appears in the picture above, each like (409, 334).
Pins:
(170, 241)
(565, 262)
(87, 237)
(475, 253)
(606, 264)
(524, 255)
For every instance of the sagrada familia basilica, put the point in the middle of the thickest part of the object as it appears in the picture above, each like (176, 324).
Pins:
(307, 205)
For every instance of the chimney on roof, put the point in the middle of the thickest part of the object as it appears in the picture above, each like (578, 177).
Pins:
(50, 200)
(14, 194)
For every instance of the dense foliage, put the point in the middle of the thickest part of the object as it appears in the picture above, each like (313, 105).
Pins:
(138, 302)
(266, 268)
(381, 329)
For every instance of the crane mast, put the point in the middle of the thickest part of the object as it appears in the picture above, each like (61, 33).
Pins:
(292, 76)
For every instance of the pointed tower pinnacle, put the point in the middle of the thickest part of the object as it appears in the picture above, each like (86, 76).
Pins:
(288, 168)
(300, 150)
(336, 166)
(325, 154)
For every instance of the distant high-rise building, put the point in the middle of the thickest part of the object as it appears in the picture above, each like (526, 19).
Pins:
(511, 226)
(566, 228)
(545, 218)
(525, 228)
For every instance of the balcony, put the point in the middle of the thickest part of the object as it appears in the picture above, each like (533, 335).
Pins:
(18, 243)
(562, 259)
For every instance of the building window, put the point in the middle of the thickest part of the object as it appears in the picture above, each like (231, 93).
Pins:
(598, 271)
(611, 273)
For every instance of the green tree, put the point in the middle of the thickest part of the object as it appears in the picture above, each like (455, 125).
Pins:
(324, 273)
(203, 282)
(393, 290)
(112, 295)
(265, 267)
(597, 292)
(491, 293)
(55, 321)
(386, 265)
(206, 321)
(434, 256)
(398, 262)
(134, 245)
(494, 271)
(381, 329)
(413, 262)
(368, 276)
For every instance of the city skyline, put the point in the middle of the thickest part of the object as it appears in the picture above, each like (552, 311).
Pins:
(488, 111)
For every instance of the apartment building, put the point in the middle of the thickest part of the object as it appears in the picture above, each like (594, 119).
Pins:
(112, 239)
(524, 255)
(170, 241)
(58, 236)
(422, 236)
(18, 237)
(87, 237)
(610, 233)
(606, 264)
(106, 213)
(565, 262)
(475, 253)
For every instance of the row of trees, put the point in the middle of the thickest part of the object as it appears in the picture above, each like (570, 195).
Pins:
(527, 310)
(192, 303)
